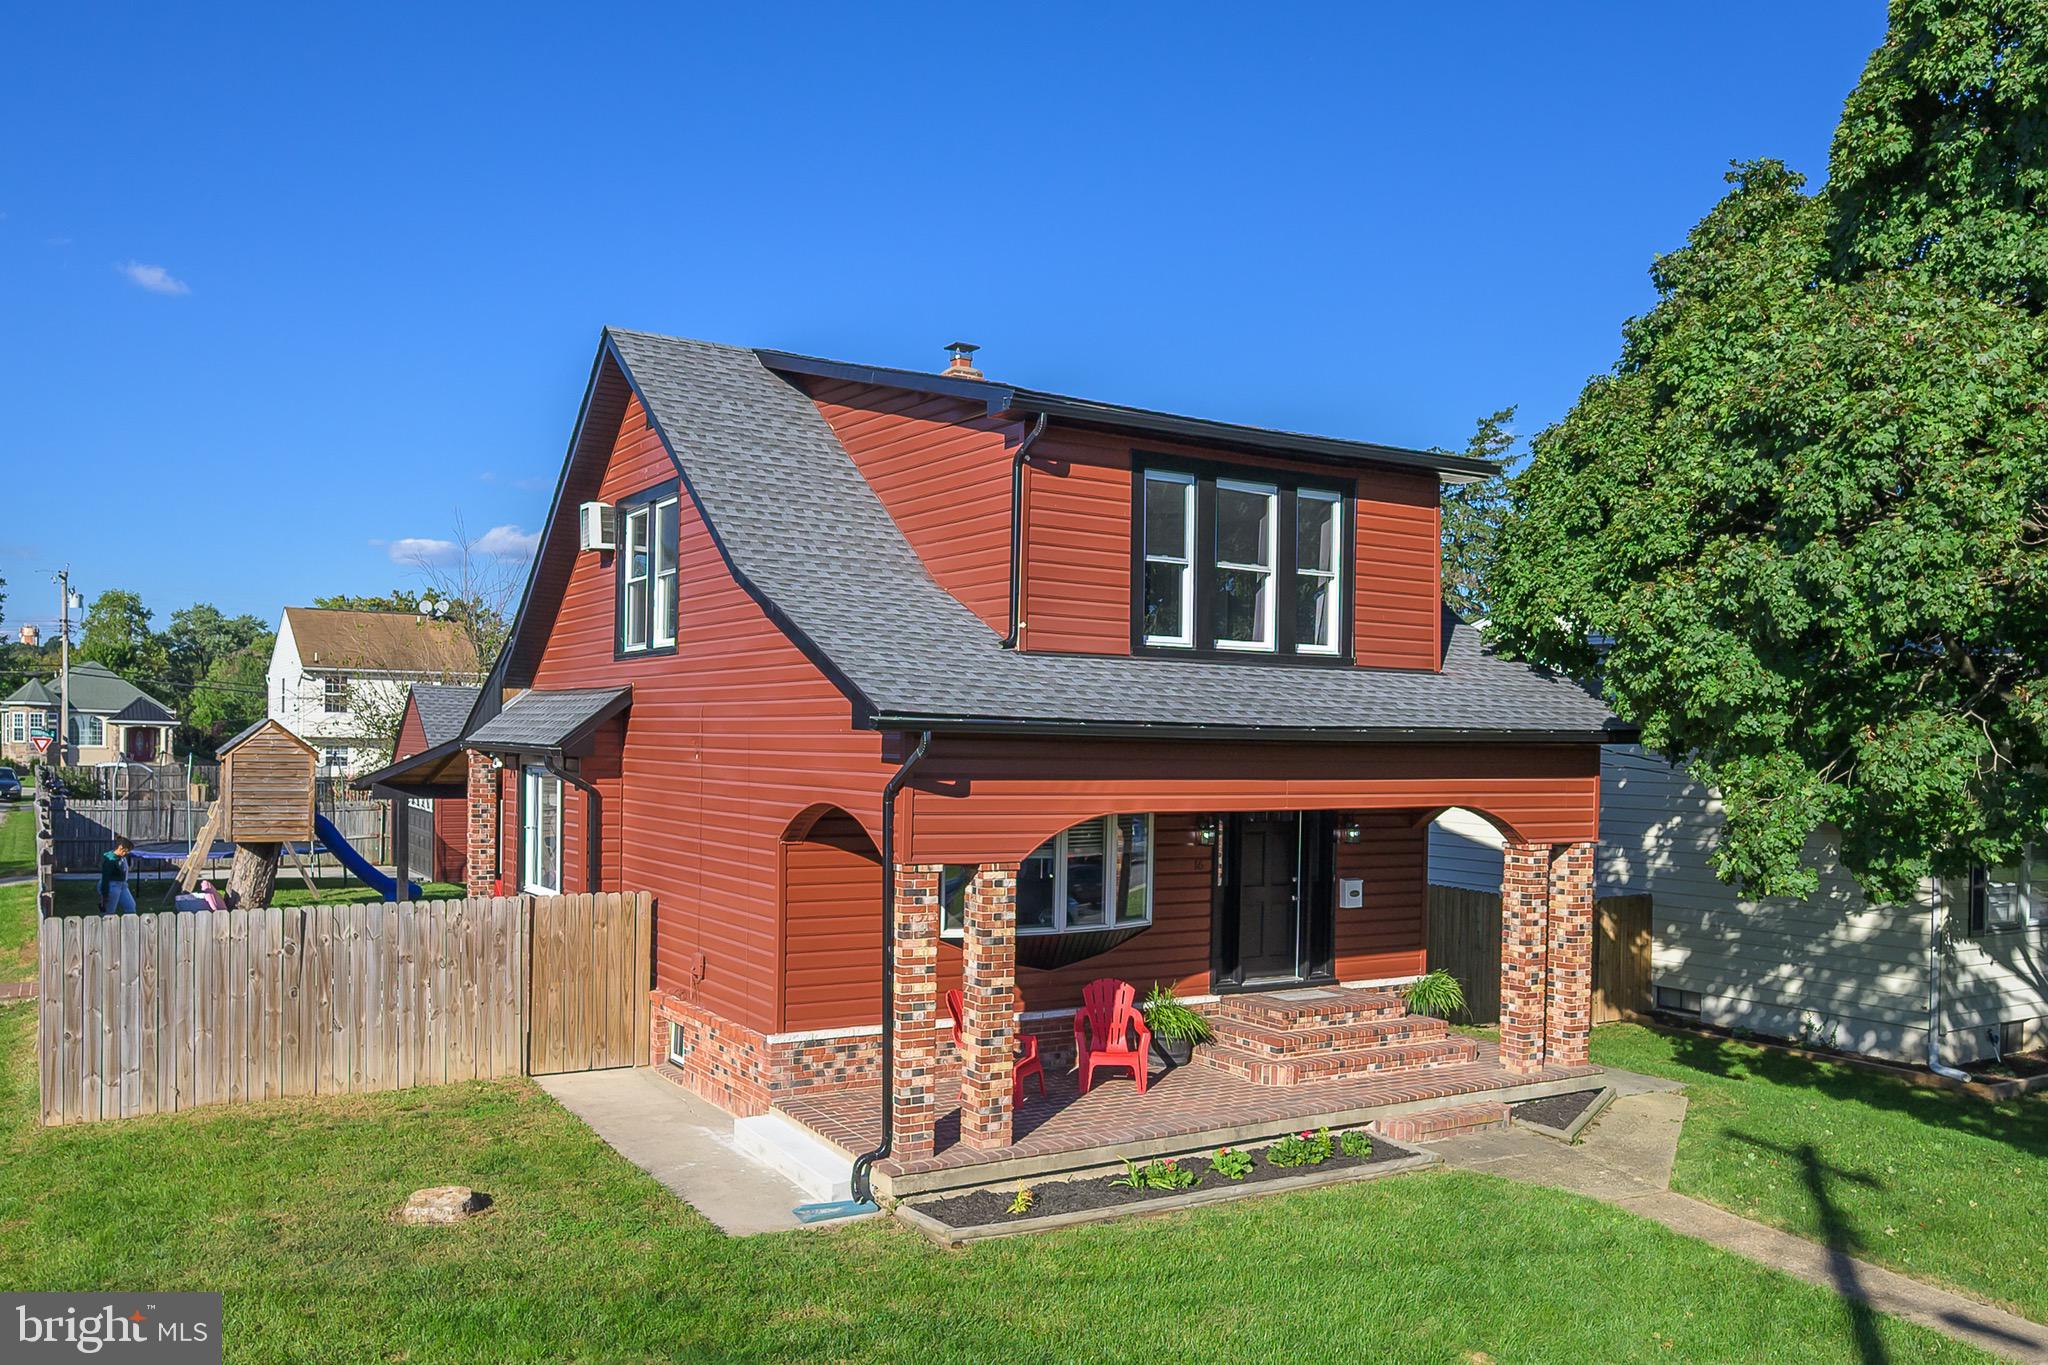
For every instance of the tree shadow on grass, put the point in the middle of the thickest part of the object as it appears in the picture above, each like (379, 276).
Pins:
(2019, 1124)
(1837, 1235)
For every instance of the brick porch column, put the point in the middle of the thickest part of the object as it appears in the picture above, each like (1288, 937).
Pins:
(913, 1078)
(989, 985)
(1569, 1014)
(483, 823)
(1524, 936)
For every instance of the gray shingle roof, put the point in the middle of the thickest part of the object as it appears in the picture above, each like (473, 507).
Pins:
(142, 711)
(443, 708)
(537, 719)
(805, 531)
(95, 688)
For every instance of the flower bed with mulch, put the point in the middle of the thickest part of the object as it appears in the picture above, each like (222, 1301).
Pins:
(1555, 1111)
(994, 1207)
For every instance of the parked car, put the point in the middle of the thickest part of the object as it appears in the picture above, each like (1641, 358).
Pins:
(10, 784)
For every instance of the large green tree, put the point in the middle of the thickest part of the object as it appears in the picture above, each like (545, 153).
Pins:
(201, 634)
(1800, 533)
(117, 634)
(1472, 517)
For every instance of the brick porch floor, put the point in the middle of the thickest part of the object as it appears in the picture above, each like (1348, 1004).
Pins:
(1188, 1102)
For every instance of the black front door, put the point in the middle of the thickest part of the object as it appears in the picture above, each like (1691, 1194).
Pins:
(1268, 855)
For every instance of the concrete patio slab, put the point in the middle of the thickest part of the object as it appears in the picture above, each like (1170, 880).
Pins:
(682, 1141)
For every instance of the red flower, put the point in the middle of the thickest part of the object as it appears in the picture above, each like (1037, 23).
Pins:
(1306, 1134)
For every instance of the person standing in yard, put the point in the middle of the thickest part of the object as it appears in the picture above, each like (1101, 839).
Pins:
(115, 897)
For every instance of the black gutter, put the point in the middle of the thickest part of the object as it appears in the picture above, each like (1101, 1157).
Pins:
(593, 829)
(1117, 417)
(1017, 525)
(862, 1187)
(1321, 734)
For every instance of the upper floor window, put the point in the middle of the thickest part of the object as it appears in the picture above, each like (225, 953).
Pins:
(1228, 565)
(334, 693)
(648, 546)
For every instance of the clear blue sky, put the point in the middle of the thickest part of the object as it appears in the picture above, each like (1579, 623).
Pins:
(280, 288)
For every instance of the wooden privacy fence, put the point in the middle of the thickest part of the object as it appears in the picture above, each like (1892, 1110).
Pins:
(1464, 939)
(154, 1013)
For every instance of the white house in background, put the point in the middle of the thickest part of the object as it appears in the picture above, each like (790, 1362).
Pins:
(1831, 969)
(325, 662)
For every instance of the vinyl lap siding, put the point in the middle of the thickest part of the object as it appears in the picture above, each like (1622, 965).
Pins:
(1387, 937)
(832, 930)
(941, 467)
(727, 741)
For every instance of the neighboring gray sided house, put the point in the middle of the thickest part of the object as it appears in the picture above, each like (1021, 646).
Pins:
(1831, 969)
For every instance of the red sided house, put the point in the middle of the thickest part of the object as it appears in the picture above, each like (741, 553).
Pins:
(889, 683)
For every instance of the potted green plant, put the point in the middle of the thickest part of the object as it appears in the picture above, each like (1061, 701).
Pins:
(1175, 1028)
(1435, 993)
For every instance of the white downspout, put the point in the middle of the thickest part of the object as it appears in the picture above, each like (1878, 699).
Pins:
(1934, 1062)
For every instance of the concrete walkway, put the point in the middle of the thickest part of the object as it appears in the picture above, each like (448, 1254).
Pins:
(1625, 1159)
(683, 1142)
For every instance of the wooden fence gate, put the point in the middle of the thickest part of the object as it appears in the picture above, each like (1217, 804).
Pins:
(588, 983)
(155, 1013)
(1464, 939)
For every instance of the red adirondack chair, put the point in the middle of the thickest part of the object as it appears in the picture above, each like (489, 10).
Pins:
(1104, 1027)
(1026, 1062)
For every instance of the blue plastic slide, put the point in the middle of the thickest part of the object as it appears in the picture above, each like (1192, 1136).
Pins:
(361, 868)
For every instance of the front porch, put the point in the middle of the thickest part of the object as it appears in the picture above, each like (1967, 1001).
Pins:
(1191, 1108)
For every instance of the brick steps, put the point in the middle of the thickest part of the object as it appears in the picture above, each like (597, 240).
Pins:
(1325, 1066)
(1269, 1041)
(1326, 1033)
(1310, 1008)
(1434, 1125)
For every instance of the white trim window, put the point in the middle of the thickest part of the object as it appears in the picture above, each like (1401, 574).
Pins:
(1097, 875)
(665, 548)
(334, 694)
(1246, 514)
(1318, 550)
(633, 564)
(17, 727)
(648, 556)
(540, 835)
(1169, 558)
(88, 731)
(2002, 897)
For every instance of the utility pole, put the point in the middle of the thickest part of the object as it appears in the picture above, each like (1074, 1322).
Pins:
(63, 666)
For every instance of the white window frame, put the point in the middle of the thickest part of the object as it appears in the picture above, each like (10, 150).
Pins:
(637, 594)
(1271, 568)
(17, 727)
(678, 1044)
(2027, 907)
(1333, 576)
(92, 730)
(1185, 561)
(668, 570)
(334, 688)
(1058, 843)
(533, 780)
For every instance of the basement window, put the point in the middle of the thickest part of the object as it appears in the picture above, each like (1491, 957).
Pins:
(678, 1044)
(1677, 1001)
(1235, 563)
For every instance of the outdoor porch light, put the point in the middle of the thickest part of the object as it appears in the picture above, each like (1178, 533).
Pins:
(1349, 833)
(1206, 833)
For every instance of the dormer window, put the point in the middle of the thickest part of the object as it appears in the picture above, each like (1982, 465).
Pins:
(1230, 563)
(647, 555)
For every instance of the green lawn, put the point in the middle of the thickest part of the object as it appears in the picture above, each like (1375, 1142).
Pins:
(1938, 1185)
(285, 1207)
(18, 841)
(18, 932)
